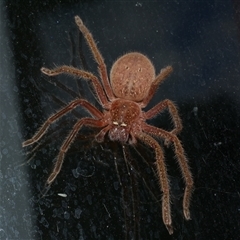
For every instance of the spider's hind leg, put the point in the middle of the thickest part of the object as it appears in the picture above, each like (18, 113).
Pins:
(163, 179)
(182, 161)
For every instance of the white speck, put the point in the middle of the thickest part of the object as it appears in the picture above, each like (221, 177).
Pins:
(195, 111)
(138, 4)
(217, 144)
(62, 194)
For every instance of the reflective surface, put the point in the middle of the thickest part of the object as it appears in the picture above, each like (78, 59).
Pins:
(96, 195)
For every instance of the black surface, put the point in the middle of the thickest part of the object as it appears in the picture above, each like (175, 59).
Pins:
(200, 39)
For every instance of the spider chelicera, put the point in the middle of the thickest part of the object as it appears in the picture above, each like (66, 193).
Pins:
(132, 85)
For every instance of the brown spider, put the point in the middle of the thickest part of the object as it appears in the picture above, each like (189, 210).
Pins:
(132, 85)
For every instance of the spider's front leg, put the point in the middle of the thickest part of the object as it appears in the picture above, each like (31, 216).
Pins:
(101, 96)
(78, 102)
(97, 56)
(90, 122)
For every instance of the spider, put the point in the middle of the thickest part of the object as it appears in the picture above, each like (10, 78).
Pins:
(132, 85)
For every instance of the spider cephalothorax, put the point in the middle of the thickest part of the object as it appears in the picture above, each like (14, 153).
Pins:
(132, 85)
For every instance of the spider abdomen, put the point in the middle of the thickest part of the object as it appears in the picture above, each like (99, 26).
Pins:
(131, 76)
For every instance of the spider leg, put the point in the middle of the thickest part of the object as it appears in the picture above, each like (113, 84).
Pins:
(69, 140)
(78, 102)
(82, 74)
(163, 178)
(182, 161)
(165, 72)
(173, 112)
(97, 56)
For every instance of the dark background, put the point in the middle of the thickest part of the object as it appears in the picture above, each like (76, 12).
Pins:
(200, 39)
